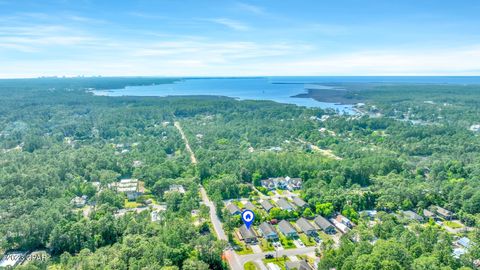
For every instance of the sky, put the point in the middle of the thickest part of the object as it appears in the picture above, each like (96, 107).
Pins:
(238, 38)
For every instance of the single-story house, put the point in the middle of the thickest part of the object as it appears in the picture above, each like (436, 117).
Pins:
(345, 221)
(247, 235)
(324, 225)
(458, 252)
(176, 188)
(412, 216)
(298, 265)
(287, 229)
(299, 202)
(233, 209)
(428, 214)
(266, 205)
(464, 242)
(268, 231)
(79, 202)
(340, 226)
(443, 213)
(248, 205)
(369, 213)
(306, 226)
(284, 205)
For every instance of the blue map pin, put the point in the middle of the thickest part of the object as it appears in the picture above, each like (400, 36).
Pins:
(248, 217)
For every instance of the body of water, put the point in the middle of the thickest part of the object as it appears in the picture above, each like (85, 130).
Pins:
(278, 89)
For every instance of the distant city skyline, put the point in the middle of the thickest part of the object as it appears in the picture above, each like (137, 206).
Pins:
(238, 38)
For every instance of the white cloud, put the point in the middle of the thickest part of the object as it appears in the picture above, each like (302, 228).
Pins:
(250, 8)
(232, 24)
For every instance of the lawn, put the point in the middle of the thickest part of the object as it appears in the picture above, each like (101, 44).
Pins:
(308, 241)
(266, 246)
(250, 266)
(286, 243)
(129, 204)
(453, 224)
(278, 261)
(244, 248)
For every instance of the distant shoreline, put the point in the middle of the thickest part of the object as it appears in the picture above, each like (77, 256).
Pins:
(336, 96)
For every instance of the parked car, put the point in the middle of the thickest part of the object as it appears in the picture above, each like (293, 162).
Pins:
(269, 256)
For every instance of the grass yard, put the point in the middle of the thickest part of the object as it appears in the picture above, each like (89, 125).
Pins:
(278, 261)
(129, 204)
(453, 224)
(244, 249)
(266, 246)
(286, 243)
(308, 241)
(250, 266)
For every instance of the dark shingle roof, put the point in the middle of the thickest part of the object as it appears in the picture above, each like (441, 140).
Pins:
(266, 205)
(305, 225)
(267, 229)
(322, 222)
(299, 202)
(233, 209)
(283, 204)
(285, 227)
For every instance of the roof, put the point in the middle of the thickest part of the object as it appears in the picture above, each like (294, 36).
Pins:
(344, 220)
(176, 188)
(267, 229)
(272, 266)
(442, 211)
(428, 213)
(305, 225)
(266, 205)
(249, 206)
(412, 215)
(246, 233)
(299, 265)
(322, 222)
(299, 202)
(285, 227)
(283, 204)
(464, 242)
(233, 209)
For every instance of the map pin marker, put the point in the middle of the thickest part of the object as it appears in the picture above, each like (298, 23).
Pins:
(248, 217)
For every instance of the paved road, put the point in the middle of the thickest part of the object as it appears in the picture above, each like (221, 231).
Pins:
(280, 253)
(235, 261)
(187, 144)
(230, 255)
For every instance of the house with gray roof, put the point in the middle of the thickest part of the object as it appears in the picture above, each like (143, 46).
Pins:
(266, 205)
(412, 216)
(284, 205)
(428, 214)
(443, 213)
(287, 229)
(324, 225)
(247, 235)
(299, 202)
(306, 227)
(248, 205)
(233, 209)
(297, 265)
(268, 231)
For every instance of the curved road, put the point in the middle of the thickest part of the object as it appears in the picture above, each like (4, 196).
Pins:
(235, 261)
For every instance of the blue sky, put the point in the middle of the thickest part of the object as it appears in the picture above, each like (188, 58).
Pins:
(238, 38)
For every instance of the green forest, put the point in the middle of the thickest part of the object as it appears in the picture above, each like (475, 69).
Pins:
(410, 147)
